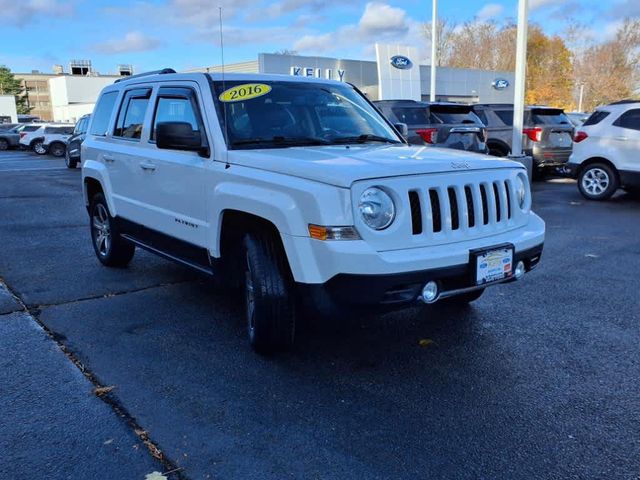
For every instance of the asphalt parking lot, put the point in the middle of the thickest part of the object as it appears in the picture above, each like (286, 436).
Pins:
(538, 379)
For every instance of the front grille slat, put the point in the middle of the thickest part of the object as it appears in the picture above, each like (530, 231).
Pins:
(460, 207)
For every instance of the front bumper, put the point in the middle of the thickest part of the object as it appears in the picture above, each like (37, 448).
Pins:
(395, 291)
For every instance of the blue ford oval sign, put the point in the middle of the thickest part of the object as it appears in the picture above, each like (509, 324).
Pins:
(500, 83)
(401, 62)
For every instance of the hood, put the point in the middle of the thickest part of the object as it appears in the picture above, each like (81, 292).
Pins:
(342, 166)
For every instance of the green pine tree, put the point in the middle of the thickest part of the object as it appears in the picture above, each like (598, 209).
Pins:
(10, 85)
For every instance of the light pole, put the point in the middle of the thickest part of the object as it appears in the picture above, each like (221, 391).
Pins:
(521, 64)
(434, 49)
(580, 97)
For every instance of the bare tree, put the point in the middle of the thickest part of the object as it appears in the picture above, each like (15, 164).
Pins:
(446, 33)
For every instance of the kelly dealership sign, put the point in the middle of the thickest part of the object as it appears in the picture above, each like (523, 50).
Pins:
(328, 73)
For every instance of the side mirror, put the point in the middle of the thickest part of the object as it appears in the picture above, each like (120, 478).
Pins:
(403, 129)
(178, 136)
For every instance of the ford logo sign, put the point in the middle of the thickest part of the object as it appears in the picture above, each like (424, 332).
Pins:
(401, 62)
(500, 83)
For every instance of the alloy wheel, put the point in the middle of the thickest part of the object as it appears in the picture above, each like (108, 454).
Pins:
(101, 230)
(39, 148)
(595, 181)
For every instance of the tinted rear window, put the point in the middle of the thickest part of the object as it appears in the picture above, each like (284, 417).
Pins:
(595, 118)
(549, 116)
(411, 115)
(453, 115)
(506, 116)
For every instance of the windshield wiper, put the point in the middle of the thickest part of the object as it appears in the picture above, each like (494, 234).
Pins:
(283, 141)
(364, 138)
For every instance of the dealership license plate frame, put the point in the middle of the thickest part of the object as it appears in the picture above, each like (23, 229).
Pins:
(502, 252)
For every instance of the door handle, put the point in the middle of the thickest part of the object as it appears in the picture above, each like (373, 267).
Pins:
(147, 166)
(109, 159)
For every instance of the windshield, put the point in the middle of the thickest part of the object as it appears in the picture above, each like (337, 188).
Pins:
(283, 114)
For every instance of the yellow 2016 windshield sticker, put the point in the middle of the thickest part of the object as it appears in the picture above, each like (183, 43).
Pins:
(246, 91)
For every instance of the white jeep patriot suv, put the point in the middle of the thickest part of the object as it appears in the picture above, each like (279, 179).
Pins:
(299, 191)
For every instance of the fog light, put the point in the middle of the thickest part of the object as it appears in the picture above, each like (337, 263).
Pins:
(519, 273)
(430, 292)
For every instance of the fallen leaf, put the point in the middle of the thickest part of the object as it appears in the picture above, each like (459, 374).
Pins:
(107, 442)
(591, 255)
(100, 391)
(425, 342)
(154, 476)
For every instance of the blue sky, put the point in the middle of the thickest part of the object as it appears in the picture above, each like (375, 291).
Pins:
(184, 33)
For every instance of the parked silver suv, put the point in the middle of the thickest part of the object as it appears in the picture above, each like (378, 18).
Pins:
(441, 124)
(547, 134)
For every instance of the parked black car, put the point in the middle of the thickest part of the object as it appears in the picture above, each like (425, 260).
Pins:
(441, 124)
(547, 133)
(72, 154)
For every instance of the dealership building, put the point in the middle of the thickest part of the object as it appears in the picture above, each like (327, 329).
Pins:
(395, 74)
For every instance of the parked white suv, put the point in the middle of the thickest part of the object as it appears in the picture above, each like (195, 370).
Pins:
(55, 139)
(606, 151)
(300, 192)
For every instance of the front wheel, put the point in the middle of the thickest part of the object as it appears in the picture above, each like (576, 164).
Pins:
(68, 161)
(39, 147)
(269, 298)
(111, 249)
(4, 145)
(597, 181)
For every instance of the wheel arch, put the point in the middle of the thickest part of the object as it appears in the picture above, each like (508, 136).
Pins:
(499, 145)
(596, 159)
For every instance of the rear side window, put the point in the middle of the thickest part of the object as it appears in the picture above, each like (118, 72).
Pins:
(411, 116)
(506, 116)
(549, 116)
(595, 118)
(629, 119)
(102, 113)
(176, 105)
(482, 115)
(50, 130)
(30, 128)
(132, 112)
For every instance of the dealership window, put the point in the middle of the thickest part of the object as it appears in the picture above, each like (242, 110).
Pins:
(132, 112)
(630, 119)
(102, 113)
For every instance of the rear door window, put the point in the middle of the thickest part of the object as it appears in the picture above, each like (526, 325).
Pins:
(629, 119)
(506, 116)
(412, 115)
(132, 112)
(102, 113)
(549, 116)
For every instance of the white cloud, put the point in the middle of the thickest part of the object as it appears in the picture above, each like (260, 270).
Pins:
(489, 11)
(379, 22)
(26, 11)
(131, 42)
(534, 4)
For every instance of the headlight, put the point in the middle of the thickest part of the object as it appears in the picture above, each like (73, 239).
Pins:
(376, 208)
(521, 191)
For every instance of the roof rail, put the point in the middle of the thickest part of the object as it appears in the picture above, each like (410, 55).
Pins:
(146, 74)
(624, 102)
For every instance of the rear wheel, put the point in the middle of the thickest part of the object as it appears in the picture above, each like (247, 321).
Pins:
(270, 303)
(4, 145)
(111, 249)
(39, 147)
(57, 149)
(598, 181)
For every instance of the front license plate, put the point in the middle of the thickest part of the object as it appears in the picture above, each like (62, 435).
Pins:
(493, 264)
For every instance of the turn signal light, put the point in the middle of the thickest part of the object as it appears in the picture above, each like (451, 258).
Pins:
(579, 136)
(320, 232)
(534, 134)
(428, 134)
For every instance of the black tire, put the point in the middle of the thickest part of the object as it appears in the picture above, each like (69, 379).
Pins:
(497, 151)
(111, 249)
(463, 299)
(4, 145)
(270, 303)
(68, 161)
(38, 147)
(538, 174)
(57, 149)
(598, 181)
